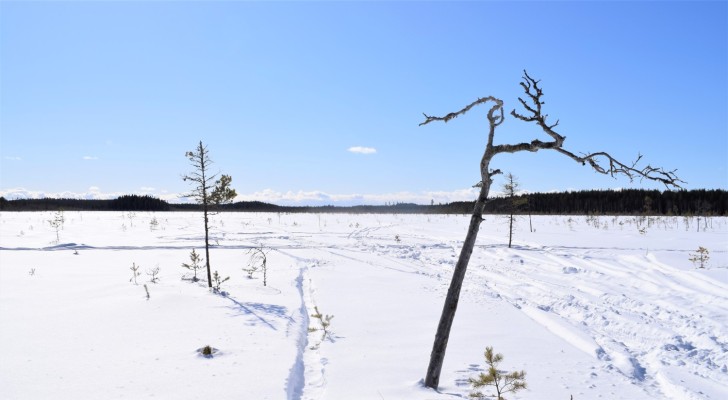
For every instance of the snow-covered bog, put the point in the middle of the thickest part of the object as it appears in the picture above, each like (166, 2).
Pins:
(589, 307)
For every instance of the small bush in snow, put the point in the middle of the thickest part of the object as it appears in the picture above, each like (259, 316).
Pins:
(700, 257)
(217, 280)
(153, 274)
(325, 322)
(258, 260)
(502, 381)
(153, 224)
(134, 273)
(253, 269)
(207, 351)
(57, 223)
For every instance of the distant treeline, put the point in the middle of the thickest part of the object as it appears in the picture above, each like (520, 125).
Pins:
(123, 203)
(591, 202)
(608, 202)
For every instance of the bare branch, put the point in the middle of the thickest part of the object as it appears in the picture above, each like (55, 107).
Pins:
(429, 118)
(615, 167)
(534, 92)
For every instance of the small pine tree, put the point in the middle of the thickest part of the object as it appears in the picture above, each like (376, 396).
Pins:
(502, 381)
(217, 280)
(194, 265)
(153, 224)
(700, 257)
(510, 188)
(57, 223)
(325, 322)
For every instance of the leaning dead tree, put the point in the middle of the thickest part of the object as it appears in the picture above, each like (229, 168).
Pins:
(600, 162)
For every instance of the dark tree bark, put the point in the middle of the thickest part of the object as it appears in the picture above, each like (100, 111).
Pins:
(495, 117)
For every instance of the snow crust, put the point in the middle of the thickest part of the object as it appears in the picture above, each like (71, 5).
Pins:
(589, 307)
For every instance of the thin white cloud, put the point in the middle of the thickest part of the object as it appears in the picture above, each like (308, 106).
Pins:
(362, 150)
(146, 189)
(90, 158)
(93, 193)
(12, 158)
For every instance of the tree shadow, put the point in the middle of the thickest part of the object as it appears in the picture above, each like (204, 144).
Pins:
(259, 311)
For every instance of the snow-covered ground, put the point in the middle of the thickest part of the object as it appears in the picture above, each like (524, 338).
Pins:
(606, 307)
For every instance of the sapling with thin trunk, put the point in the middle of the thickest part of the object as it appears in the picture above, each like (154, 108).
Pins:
(207, 191)
(258, 260)
(325, 322)
(700, 257)
(510, 189)
(134, 273)
(57, 223)
(194, 265)
(501, 381)
(217, 281)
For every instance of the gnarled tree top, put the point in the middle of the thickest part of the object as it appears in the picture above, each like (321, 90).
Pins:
(601, 162)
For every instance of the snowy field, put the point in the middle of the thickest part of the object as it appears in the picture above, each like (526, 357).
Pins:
(607, 307)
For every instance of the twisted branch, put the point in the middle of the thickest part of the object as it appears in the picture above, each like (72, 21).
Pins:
(429, 118)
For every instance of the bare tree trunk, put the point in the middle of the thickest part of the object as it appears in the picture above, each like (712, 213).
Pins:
(432, 379)
(530, 224)
(510, 229)
(205, 202)
(207, 247)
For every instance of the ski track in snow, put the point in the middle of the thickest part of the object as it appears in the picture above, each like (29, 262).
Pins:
(297, 377)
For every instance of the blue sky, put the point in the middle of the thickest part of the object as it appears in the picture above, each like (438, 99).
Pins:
(104, 98)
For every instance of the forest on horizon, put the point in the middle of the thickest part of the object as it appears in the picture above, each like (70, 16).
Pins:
(588, 202)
